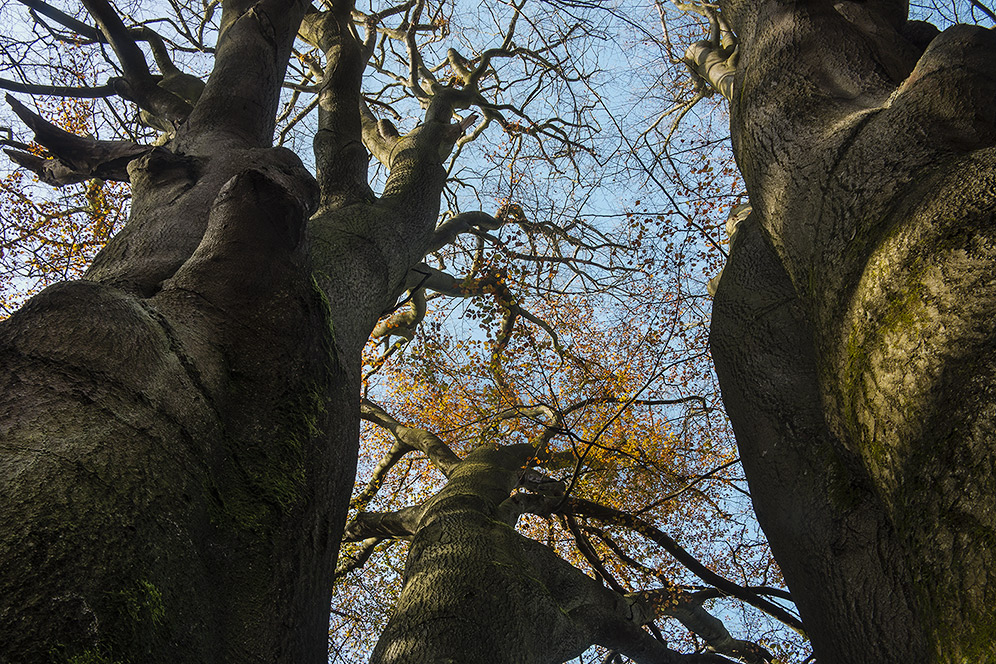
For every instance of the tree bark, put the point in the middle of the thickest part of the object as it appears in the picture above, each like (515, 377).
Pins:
(477, 591)
(853, 327)
(178, 431)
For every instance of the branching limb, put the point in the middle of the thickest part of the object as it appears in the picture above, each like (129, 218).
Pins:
(465, 222)
(490, 283)
(163, 99)
(48, 11)
(686, 608)
(439, 453)
(671, 601)
(379, 136)
(358, 558)
(545, 505)
(984, 9)
(138, 84)
(401, 523)
(380, 471)
(541, 484)
(738, 214)
(183, 85)
(339, 152)
(78, 92)
(75, 158)
(590, 555)
(714, 60)
(609, 515)
(405, 319)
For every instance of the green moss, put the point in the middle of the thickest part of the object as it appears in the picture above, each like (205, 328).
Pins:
(62, 654)
(91, 657)
(973, 643)
(131, 618)
(140, 605)
(901, 316)
(268, 477)
(145, 602)
(856, 363)
(905, 310)
(274, 472)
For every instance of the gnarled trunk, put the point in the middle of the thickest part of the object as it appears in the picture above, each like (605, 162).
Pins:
(853, 327)
(178, 430)
(475, 590)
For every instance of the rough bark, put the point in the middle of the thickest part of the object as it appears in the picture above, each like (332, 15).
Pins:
(178, 430)
(853, 327)
(477, 591)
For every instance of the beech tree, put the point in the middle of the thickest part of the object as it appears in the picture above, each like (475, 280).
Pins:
(614, 513)
(181, 424)
(852, 328)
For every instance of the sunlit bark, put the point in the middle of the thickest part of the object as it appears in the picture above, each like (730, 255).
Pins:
(853, 325)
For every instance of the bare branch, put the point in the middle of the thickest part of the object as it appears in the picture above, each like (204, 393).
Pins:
(984, 9)
(439, 453)
(65, 20)
(401, 523)
(79, 92)
(465, 222)
(404, 320)
(348, 563)
(75, 158)
(380, 471)
(609, 515)
(138, 83)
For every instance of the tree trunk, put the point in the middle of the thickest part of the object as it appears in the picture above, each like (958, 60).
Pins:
(178, 430)
(170, 483)
(853, 328)
(475, 590)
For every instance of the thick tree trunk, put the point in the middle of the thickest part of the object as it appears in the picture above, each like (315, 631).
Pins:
(475, 590)
(170, 482)
(472, 592)
(853, 329)
(178, 431)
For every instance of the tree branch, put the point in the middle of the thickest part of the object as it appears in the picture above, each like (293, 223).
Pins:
(64, 19)
(438, 452)
(339, 151)
(240, 107)
(464, 222)
(687, 609)
(138, 83)
(384, 466)
(405, 318)
(79, 92)
(985, 10)
(348, 563)
(609, 515)
(401, 523)
(76, 158)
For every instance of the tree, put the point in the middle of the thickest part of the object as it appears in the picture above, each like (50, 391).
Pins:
(193, 508)
(852, 325)
(606, 470)
(180, 426)
(45, 240)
